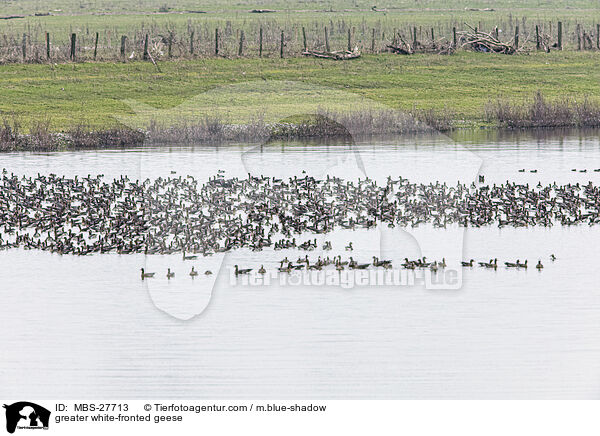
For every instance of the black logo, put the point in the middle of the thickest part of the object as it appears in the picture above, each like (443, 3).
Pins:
(26, 415)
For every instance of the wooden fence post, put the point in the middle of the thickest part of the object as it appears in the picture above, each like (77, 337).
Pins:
(373, 41)
(454, 40)
(146, 57)
(432, 36)
(170, 47)
(537, 37)
(281, 49)
(241, 48)
(598, 36)
(516, 37)
(217, 41)
(192, 43)
(560, 35)
(24, 46)
(304, 38)
(414, 37)
(326, 41)
(260, 42)
(73, 42)
(96, 46)
(349, 40)
(48, 45)
(123, 40)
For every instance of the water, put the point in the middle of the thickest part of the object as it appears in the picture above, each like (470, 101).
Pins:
(88, 327)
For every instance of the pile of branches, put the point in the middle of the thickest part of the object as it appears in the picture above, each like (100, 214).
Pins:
(342, 55)
(400, 46)
(485, 42)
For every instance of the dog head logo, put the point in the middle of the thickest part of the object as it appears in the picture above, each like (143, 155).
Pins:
(26, 415)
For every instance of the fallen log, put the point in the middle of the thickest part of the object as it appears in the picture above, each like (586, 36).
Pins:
(335, 55)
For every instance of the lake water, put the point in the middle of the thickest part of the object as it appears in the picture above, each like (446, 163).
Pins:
(89, 327)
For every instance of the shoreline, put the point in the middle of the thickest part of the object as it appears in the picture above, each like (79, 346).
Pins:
(97, 140)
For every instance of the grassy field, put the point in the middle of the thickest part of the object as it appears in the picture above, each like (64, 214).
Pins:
(117, 6)
(113, 19)
(95, 94)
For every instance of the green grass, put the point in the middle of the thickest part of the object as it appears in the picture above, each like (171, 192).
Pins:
(117, 6)
(240, 89)
(112, 18)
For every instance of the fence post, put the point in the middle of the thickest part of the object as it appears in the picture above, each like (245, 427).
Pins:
(192, 43)
(146, 47)
(516, 37)
(373, 41)
(73, 41)
(217, 41)
(432, 36)
(349, 40)
(414, 37)
(560, 35)
(537, 37)
(578, 30)
(326, 41)
(281, 49)
(48, 45)
(241, 49)
(260, 42)
(170, 45)
(598, 36)
(304, 38)
(96, 46)
(454, 40)
(24, 46)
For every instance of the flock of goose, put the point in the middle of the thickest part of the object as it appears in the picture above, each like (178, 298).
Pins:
(82, 216)
(304, 263)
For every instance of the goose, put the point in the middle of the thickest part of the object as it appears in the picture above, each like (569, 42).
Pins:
(193, 272)
(262, 270)
(146, 275)
(468, 264)
(377, 262)
(349, 247)
(522, 265)
(207, 272)
(340, 262)
(493, 264)
(241, 271)
(552, 257)
(539, 265)
(189, 257)
(522, 170)
(286, 269)
(511, 264)
(486, 263)
(170, 274)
